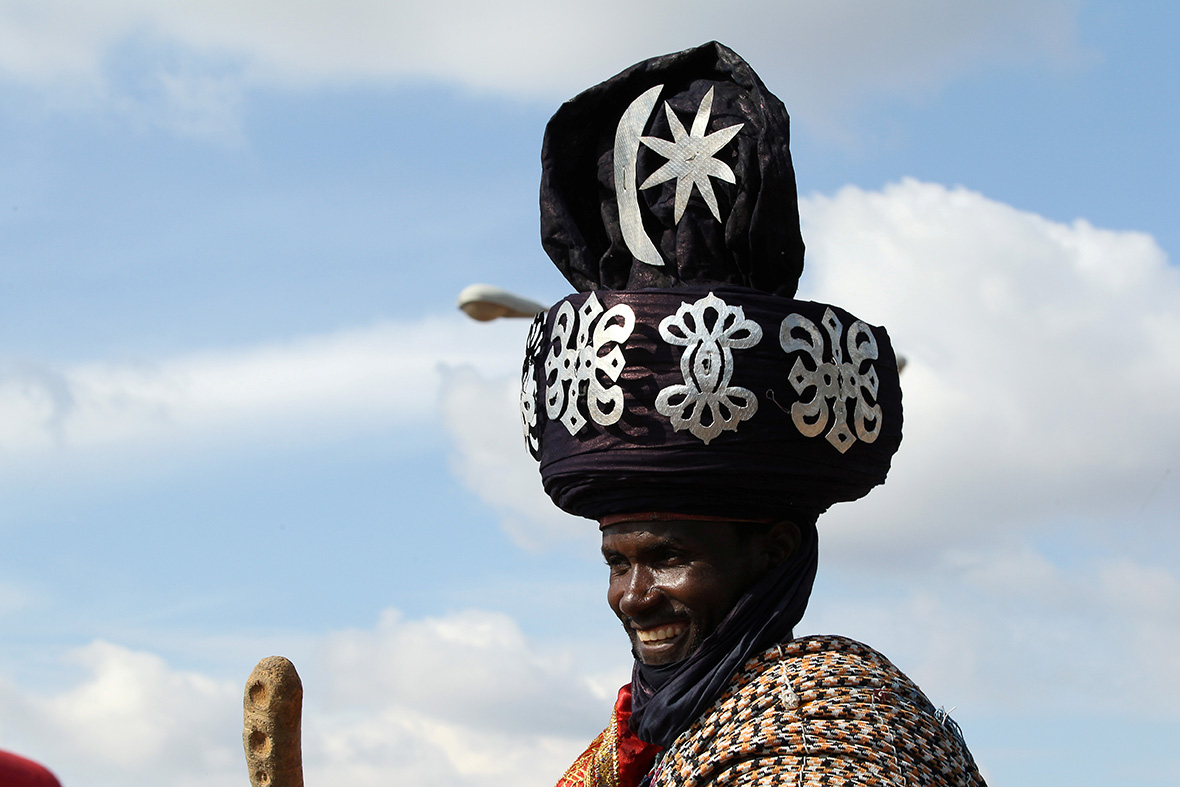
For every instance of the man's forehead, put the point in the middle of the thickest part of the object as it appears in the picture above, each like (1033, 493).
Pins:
(665, 532)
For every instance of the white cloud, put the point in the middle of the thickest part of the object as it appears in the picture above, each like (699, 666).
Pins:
(820, 55)
(404, 747)
(483, 418)
(467, 668)
(132, 719)
(1011, 633)
(461, 699)
(1039, 357)
(299, 391)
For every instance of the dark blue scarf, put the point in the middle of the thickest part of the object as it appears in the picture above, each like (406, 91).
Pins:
(666, 699)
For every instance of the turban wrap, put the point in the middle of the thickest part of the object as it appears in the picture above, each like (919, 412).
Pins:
(683, 376)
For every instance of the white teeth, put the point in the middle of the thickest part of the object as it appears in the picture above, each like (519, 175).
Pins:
(662, 633)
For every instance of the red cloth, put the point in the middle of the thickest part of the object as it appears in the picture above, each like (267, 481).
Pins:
(16, 771)
(617, 757)
(635, 756)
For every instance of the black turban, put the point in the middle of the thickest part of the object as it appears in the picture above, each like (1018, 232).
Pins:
(683, 377)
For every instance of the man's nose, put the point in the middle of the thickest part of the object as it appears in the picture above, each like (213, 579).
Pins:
(640, 594)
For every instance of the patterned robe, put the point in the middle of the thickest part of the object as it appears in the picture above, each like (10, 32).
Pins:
(813, 711)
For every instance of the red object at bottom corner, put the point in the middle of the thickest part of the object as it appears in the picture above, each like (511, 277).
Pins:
(17, 771)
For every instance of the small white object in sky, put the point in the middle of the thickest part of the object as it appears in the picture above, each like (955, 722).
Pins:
(484, 302)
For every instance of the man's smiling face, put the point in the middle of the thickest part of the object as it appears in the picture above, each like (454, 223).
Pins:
(672, 583)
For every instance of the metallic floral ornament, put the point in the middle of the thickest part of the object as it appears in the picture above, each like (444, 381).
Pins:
(690, 160)
(706, 404)
(579, 362)
(836, 379)
(528, 386)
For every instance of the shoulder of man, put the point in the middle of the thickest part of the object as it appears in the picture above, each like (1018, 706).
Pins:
(826, 706)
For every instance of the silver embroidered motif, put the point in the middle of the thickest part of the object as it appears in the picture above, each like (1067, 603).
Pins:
(836, 379)
(578, 363)
(528, 385)
(706, 404)
(691, 161)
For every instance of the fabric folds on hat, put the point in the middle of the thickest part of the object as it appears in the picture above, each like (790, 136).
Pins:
(585, 208)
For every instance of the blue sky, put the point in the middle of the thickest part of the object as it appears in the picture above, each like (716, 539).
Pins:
(240, 415)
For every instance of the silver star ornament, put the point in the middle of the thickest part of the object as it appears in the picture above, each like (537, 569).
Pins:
(690, 157)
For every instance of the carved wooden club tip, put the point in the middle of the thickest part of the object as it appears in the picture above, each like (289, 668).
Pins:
(272, 709)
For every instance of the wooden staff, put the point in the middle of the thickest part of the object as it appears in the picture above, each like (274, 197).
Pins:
(272, 709)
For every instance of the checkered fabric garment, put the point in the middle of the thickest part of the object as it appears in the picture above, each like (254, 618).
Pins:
(814, 711)
(820, 711)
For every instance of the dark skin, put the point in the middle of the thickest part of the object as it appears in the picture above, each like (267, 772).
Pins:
(672, 583)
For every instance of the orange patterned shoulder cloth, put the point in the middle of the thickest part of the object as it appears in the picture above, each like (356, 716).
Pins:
(617, 757)
(820, 710)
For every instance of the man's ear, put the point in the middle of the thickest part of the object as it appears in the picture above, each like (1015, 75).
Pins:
(782, 539)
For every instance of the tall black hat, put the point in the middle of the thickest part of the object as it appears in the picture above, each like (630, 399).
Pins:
(682, 377)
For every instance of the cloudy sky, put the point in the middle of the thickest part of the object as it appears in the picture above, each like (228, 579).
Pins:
(240, 415)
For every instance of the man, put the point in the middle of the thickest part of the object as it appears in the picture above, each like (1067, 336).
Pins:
(705, 419)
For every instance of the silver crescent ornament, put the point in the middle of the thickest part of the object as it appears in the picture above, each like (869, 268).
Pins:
(626, 158)
(690, 160)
